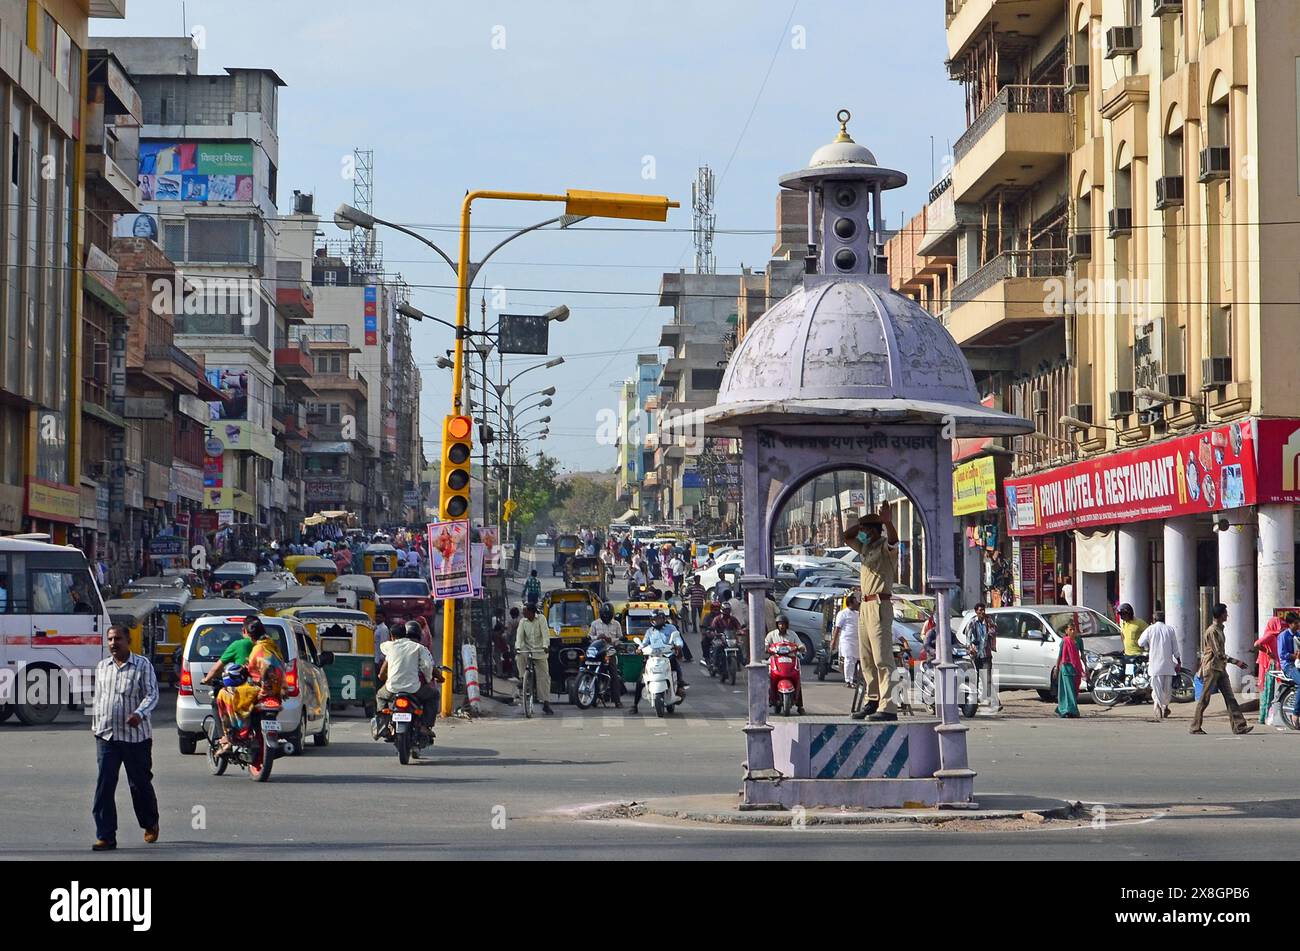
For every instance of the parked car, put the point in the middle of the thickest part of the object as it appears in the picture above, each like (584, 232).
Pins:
(1029, 642)
(306, 689)
(709, 576)
(811, 612)
(542, 541)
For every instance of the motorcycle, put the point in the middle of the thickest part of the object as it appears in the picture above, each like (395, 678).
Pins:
(401, 722)
(968, 694)
(659, 680)
(724, 660)
(254, 747)
(783, 678)
(593, 684)
(1116, 677)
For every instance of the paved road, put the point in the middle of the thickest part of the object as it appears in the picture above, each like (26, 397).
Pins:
(491, 788)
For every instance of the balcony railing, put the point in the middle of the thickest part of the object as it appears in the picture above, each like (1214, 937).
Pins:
(320, 333)
(173, 354)
(1012, 99)
(1039, 263)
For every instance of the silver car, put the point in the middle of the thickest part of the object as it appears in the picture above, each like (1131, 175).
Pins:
(306, 690)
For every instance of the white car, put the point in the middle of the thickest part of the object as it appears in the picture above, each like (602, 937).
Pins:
(306, 691)
(541, 541)
(709, 576)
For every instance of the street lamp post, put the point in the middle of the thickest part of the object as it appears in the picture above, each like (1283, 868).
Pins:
(577, 203)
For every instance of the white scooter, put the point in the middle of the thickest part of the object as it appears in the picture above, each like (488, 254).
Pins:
(659, 679)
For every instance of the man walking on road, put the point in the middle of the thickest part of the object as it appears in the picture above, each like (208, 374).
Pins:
(844, 634)
(1160, 642)
(695, 602)
(532, 588)
(1214, 674)
(126, 692)
(983, 644)
(876, 540)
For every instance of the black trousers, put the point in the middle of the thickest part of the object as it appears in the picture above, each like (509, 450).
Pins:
(112, 755)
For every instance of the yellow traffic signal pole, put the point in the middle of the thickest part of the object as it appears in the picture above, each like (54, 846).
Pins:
(583, 203)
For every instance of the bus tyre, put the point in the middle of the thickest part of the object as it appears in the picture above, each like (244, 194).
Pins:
(6, 711)
(41, 689)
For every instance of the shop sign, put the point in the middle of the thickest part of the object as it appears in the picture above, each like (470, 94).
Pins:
(1205, 472)
(974, 487)
(49, 500)
(166, 547)
(187, 482)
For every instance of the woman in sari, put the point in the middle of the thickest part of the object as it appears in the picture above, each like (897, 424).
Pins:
(1266, 658)
(1069, 674)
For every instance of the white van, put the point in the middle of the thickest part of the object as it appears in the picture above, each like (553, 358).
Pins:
(52, 629)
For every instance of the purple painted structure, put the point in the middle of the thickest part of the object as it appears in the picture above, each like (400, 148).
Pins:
(846, 373)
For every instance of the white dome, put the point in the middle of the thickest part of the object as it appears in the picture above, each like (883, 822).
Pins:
(842, 153)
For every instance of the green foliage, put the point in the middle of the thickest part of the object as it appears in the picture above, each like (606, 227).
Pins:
(588, 503)
(536, 492)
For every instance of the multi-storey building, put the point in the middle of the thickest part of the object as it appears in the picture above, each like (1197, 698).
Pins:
(1118, 211)
(638, 397)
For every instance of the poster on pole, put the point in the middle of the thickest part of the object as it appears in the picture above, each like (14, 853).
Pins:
(477, 551)
(449, 559)
(490, 535)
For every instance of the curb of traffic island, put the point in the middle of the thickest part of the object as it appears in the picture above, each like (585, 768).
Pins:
(997, 812)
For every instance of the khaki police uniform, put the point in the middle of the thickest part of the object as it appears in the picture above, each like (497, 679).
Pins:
(876, 620)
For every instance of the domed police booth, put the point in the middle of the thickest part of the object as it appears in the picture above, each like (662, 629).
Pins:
(846, 373)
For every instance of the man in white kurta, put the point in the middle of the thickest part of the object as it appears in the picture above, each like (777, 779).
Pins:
(1160, 641)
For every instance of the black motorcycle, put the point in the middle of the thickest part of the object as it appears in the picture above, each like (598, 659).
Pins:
(593, 683)
(1116, 677)
(400, 721)
(724, 661)
(254, 748)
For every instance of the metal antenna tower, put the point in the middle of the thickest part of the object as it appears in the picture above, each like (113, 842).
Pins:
(704, 220)
(366, 257)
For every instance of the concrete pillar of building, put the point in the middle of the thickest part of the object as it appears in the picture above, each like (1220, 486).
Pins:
(1092, 592)
(1135, 570)
(1237, 591)
(972, 575)
(1276, 568)
(1181, 598)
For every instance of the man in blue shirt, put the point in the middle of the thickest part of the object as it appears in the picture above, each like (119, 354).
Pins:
(661, 635)
(1286, 652)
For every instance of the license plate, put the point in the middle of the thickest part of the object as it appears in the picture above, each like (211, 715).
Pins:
(270, 726)
(1128, 670)
(401, 718)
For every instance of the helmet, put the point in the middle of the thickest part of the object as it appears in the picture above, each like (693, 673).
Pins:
(414, 631)
(236, 675)
(607, 612)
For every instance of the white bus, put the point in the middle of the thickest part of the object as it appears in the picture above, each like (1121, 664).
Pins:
(52, 629)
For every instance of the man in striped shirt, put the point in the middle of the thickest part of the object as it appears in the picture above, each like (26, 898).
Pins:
(126, 693)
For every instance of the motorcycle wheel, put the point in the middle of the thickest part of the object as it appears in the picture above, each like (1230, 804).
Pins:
(584, 693)
(259, 771)
(1104, 690)
(403, 744)
(216, 762)
(660, 708)
(823, 668)
(1286, 699)
(787, 704)
(1184, 689)
(968, 710)
(731, 670)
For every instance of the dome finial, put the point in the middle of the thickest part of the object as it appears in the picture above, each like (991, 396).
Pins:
(844, 116)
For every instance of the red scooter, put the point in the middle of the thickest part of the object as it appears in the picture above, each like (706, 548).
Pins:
(784, 690)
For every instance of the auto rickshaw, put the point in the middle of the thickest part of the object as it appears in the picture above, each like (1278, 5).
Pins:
(146, 587)
(569, 613)
(142, 619)
(191, 578)
(291, 562)
(584, 572)
(171, 603)
(279, 601)
(213, 607)
(566, 546)
(379, 561)
(329, 597)
(321, 571)
(350, 635)
(262, 588)
(364, 588)
(232, 577)
(635, 617)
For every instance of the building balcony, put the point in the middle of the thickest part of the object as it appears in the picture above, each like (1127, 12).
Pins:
(1021, 138)
(334, 432)
(293, 417)
(105, 9)
(671, 335)
(294, 300)
(967, 20)
(320, 333)
(1008, 299)
(672, 371)
(293, 363)
(169, 362)
(117, 190)
(352, 382)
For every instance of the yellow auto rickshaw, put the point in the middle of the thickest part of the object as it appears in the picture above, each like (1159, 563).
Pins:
(279, 601)
(635, 617)
(215, 607)
(569, 613)
(192, 580)
(146, 624)
(172, 603)
(584, 572)
(291, 562)
(364, 588)
(321, 571)
(262, 588)
(379, 561)
(350, 635)
(565, 547)
(148, 586)
(329, 597)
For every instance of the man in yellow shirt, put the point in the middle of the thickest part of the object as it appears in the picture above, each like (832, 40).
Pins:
(1132, 629)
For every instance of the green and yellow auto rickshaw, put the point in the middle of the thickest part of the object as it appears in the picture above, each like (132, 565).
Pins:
(193, 580)
(379, 561)
(364, 588)
(321, 571)
(569, 613)
(350, 635)
(582, 571)
(262, 588)
(171, 603)
(142, 619)
(215, 607)
(566, 546)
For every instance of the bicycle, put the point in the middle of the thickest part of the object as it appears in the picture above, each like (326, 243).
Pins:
(528, 687)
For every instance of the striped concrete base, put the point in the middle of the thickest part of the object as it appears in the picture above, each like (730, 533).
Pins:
(838, 761)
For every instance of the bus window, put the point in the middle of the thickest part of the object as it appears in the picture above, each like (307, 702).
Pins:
(62, 591)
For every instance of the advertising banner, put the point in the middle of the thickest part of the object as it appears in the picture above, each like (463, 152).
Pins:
(449, 559)
(372, 316)
(974, 487)
(52, 501)
(491, 538)
(165, 548)
(1277, 460)
(1204, 472)
(196, 171)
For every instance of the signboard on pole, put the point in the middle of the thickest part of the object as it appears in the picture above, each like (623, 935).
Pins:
(449, 559)
(524, 333)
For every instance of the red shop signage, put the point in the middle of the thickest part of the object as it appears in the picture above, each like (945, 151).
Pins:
(1237, 464)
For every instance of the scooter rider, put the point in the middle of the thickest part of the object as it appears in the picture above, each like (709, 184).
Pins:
(662, 634)
(780, 636)
(408, 668)
(608, 630)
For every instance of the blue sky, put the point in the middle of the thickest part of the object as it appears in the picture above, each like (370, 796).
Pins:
(580, 95)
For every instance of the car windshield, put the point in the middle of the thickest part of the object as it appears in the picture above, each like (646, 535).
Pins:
(570, 614)
(913, 609)
(404, 588)
(210, 640)
(1099, 632)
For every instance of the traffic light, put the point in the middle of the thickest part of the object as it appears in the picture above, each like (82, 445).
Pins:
(486, 434)
(456, 453)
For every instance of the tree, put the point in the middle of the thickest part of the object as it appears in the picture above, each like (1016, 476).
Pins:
(587, 502)
(535, 491)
